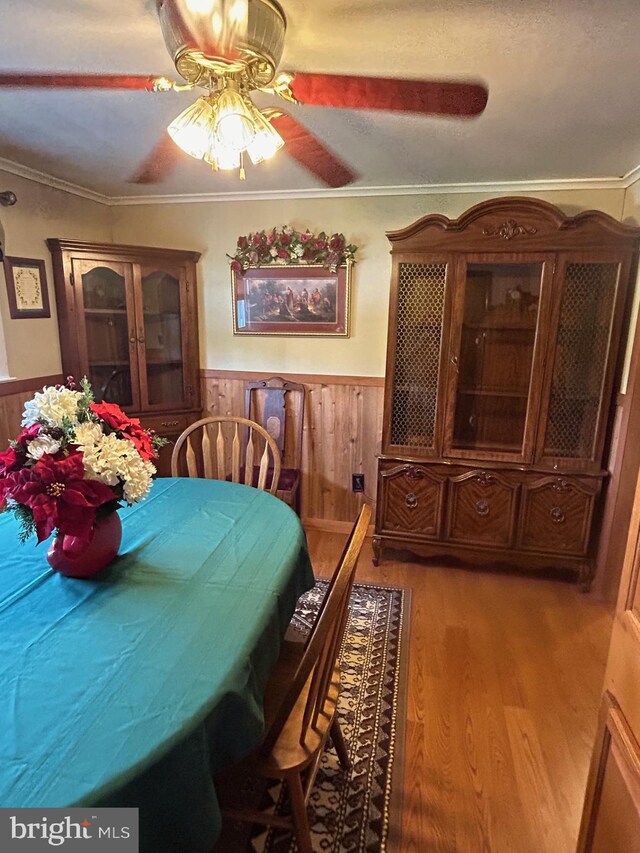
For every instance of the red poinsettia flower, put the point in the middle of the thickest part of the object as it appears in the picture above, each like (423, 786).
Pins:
(130, 428)
(10, 460)
(136, 433)
(58, 495)
(111, 414)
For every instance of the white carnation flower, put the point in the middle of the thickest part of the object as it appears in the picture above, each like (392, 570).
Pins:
(41, 445)
(137, 478)
(114, 460)
(88, 433)
(52, 405)
(273, 253)
(103, 459)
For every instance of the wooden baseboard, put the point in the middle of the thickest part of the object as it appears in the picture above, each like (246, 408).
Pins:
(329, 525)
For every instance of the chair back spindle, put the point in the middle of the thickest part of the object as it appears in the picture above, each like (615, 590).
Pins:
(235, 455)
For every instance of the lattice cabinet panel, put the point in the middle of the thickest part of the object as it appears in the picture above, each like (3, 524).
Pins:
(421, 295)
(581, 358)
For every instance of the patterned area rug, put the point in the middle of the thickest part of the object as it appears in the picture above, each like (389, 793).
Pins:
(359, 810)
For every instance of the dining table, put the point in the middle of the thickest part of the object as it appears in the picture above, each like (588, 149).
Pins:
(133, 688)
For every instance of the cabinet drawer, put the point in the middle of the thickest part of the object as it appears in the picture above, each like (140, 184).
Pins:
(168, 425)
(481, 508)
(412, 499)
(556, 515)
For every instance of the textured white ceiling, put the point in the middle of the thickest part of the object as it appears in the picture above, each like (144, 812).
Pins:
(563, 79)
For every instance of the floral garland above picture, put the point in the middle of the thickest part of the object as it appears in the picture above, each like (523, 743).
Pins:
(285, 245)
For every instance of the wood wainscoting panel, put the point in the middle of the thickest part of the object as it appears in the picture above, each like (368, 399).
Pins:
(13, 396)
(341, 436)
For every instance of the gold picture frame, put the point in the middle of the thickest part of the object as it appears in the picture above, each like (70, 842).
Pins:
(302, 300)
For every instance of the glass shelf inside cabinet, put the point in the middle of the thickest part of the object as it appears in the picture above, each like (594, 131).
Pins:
(495, 360)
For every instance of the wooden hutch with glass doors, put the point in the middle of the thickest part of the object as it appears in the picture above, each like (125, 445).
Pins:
(503, 352)
(128, 322)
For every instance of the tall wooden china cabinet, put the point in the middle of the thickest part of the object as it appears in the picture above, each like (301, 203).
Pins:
(504, 336)
(128, 321)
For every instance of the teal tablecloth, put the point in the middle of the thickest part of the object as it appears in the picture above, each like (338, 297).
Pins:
(130, 689)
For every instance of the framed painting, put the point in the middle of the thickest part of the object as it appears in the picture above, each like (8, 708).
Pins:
(26, 288)
(304, 299)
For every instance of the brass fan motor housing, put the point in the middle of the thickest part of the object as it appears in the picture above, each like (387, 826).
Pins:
(254, 56)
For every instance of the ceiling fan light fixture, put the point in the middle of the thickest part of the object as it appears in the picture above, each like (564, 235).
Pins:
(266, 142)
(234, 123)
(192, 129)
(220, 158)
(200, 7)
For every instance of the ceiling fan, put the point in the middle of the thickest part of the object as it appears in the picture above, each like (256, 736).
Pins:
(231, 48)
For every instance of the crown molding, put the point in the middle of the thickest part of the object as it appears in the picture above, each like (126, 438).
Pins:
(631, 177)
(51, 181)
(510, 187)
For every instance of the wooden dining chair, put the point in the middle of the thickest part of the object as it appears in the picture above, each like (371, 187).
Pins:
(300, 707)
(226, 447)
(278, 405)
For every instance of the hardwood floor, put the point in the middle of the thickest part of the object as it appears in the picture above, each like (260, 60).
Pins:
(505, 676)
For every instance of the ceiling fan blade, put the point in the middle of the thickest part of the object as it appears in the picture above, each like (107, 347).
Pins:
(159, 164)
(78, 81)
(307, 150)
(430, 97)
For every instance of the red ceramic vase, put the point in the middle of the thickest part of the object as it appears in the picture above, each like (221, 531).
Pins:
(79, 558)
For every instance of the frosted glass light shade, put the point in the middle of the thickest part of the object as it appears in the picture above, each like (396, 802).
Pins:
(234, 126)
(192, 130)
(222, 158)
(266, 141)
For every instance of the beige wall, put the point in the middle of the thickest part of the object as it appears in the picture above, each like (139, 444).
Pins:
(213, 228)
(41, 212)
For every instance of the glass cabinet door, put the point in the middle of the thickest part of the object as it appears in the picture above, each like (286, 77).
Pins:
(162, 309)
(494, 349)
(104, 296)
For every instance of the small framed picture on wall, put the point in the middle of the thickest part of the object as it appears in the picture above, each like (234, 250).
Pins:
(26, 288)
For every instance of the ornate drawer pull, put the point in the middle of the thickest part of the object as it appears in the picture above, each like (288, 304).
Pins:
(483, 478)
(169, 423)
(411, 500)
(482, 507)
(557, 516)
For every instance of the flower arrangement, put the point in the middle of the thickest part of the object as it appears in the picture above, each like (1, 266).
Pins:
(74, 460)
(285, 245)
